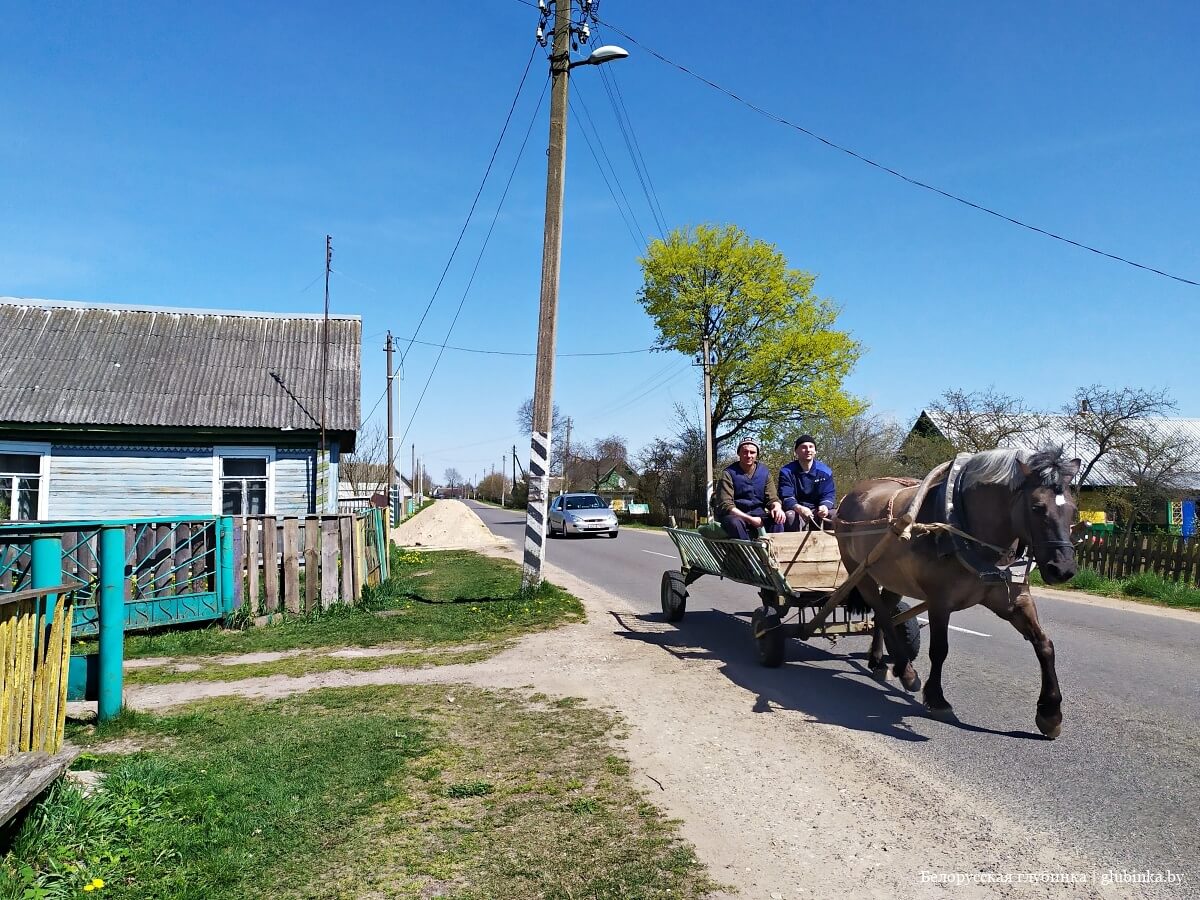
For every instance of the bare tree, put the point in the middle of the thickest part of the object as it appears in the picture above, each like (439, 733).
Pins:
(591, 462)
(365, 470)
(558, 432)
(983, 420)
(1113, 422)
(863, 446)
(453, 479)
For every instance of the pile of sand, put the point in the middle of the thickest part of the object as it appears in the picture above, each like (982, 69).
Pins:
(447, 525)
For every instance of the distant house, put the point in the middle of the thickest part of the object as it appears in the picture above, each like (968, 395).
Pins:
(1112, 470)
(617, 484)
(360, 481)
(113, 411)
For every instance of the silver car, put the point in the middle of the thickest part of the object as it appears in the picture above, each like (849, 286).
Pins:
(581, 514)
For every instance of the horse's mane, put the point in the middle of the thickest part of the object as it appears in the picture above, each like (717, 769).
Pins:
(1002, 467)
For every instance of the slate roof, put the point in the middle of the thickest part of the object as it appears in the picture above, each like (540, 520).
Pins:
(67, 363)
(1058, 429)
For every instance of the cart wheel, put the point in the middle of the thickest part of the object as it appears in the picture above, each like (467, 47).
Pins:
(910, 632)
(768, 635)
(674, 595)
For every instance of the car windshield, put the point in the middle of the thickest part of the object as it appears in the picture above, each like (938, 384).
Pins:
(592, 502)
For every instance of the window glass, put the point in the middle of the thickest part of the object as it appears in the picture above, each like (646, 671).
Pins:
(231, 498)
(256, 498)
(242, 466)
(20, 463)
(6, 486)
(19, 496)
(27, 499)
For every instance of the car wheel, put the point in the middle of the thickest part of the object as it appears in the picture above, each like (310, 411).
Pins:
(612, 534)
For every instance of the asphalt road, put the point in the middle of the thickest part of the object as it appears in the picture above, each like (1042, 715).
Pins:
(1122, 782)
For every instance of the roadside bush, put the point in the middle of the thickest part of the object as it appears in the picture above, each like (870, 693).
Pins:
(1148, 584)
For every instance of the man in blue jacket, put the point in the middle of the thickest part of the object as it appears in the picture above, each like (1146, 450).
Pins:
(745, 498)
(806, 488)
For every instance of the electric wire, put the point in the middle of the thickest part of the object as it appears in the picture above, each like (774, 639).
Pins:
(611, 75)
(478, 259)
(478, 192)
(775, 117)
(641, 246)
(626, 128)
(532, 353)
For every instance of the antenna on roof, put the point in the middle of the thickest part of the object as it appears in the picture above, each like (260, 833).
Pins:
(325, 334)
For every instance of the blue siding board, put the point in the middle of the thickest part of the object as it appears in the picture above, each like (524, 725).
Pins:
(90, 482)
(124, 482)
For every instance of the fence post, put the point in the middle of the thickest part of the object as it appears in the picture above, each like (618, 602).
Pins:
(225, 576)
(46, 569)
(112, 620)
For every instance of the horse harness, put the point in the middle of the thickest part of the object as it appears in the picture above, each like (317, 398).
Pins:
(1011, 564)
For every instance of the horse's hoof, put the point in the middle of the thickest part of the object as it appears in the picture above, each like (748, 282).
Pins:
(1050, 727)
(911, 681)
(942, 713)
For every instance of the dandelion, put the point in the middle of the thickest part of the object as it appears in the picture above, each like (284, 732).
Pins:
(94, 885)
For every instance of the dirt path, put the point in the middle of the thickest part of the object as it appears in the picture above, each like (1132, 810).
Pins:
(778, 805)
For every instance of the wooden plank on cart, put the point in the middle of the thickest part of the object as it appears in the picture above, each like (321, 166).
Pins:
(808, 560)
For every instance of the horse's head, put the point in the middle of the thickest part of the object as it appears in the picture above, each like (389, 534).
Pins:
(1044, 511)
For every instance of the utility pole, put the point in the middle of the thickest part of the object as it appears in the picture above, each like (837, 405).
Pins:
(562, 484)
(543, 379)
(414, 474)
(391, 456)
(503, 480)
(325, 334)
(708, 435)
(543, 384)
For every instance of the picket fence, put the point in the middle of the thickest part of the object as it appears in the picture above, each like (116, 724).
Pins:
(298, 565)
(1124, 555)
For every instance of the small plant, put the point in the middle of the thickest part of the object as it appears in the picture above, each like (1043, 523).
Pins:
(469, 789)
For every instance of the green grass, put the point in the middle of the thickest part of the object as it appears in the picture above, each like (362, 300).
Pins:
(1144, 586)
(401, 792)
(432, 598)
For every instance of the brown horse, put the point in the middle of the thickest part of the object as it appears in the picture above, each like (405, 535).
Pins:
(1005, 501)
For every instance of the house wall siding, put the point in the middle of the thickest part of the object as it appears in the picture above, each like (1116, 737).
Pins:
(92, 482)
(127, 482)
(295, 482)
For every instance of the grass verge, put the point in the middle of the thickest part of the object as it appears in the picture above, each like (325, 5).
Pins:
(401, 792)
(1145, 586)
(432, 599)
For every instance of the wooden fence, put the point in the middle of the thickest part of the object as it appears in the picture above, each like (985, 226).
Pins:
(1124, 555)
(297, 565)
(35, 650)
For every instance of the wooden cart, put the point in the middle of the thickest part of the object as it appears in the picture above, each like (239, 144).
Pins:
(794, 570)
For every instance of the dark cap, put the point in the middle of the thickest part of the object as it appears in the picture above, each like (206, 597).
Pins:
(804, 439)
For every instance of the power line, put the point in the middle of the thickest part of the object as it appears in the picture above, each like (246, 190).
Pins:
(627, 135)
(478, 259)
(641, 247)
(885, 168)
(478, 192)
(612, 76)
(531, 353)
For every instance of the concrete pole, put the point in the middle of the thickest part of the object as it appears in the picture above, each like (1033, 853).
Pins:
(708, 435)
(543, 383)
(391, 456)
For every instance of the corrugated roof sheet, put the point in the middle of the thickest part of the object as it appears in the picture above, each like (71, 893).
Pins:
(81, 364)
(1109, 471)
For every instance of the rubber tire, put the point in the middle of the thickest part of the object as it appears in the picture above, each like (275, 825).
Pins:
(550, 532)
(910, 632)
(772, 646)
(612, 534)
(674, 595)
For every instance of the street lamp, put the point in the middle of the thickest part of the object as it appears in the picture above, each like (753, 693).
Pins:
(543, 379)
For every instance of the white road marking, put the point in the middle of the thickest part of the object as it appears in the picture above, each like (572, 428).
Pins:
(656, 553)
(956, 628)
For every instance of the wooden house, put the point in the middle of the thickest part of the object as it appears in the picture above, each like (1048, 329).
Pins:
(111, 411)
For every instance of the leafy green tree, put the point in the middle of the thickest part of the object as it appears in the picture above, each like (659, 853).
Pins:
(780, 360)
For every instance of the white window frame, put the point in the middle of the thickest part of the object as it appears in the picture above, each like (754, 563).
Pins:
(267, 453)
(35, 448)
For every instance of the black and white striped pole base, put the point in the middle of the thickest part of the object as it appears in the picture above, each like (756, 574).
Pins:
(535, 510)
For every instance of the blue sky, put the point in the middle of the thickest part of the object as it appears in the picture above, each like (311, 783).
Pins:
(196, 156)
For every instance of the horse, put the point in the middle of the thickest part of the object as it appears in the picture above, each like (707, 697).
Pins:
(1002, 502)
